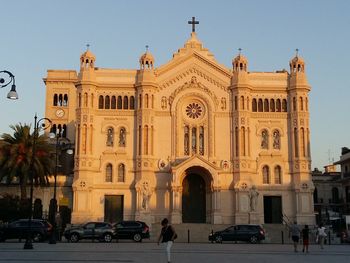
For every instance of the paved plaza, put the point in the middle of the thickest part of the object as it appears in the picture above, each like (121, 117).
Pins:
(147, 252)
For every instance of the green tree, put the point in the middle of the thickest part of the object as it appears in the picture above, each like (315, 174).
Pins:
(16, 153)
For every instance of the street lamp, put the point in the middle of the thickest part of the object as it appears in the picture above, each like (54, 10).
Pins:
(39, 125)
(60, 141)
(12, 95)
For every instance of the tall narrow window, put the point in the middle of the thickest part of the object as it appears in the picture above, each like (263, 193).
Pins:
(60, 100)
(272, 105)
(64, 131)
(236, 141)
(242, 103)
(119, 103)
(91, 101)
(55, 100)
(187, 140)
(296, 148)
(294, 104)
(121, 173)
(113, 103)
(301, 103)
(110, 136)
(109, 173)
(278, 175)
(243, 141)
(146, 101)
(132, 103)
(254, 106)
(284, 105)
(79, 100)
(194, 140)
(260, 105)
(266, 105)
(145, 148)
(140, 139)
(266, 175)
(122, 137)
(140, 101)
(65, 100)
(302, 142)
(276, 140)
(100, 102)
(126, 102)
(85, 99)
(278, 105)
(201, 140)
(264, 139)
(107, 102)
(236, 102)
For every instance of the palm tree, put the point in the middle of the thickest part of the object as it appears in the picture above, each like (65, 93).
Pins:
(16, 153)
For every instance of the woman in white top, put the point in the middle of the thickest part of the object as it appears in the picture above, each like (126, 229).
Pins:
(321, 234)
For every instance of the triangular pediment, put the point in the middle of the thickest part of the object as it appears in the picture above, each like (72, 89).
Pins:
(195, 160)
(193, 60)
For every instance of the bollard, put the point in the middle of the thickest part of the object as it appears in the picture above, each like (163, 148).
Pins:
(282, 236)
(188, 236)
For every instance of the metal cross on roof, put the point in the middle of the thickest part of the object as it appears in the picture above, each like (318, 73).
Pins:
(193, 22)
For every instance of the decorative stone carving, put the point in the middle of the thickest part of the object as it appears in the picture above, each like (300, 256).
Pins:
(253, 196)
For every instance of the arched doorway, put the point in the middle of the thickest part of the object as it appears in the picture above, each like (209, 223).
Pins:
(193, 199)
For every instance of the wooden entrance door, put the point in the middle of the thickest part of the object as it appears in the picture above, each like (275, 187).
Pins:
(114, 208)
(193, 199)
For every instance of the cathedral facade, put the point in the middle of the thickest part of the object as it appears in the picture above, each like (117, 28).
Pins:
(191, 140)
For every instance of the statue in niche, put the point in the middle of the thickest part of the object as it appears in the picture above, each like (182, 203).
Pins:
(276, 140)
(110, 137)
(146, 192)
(264, 139)
(253, 196)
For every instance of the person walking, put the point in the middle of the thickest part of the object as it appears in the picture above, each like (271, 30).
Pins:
(167, 236)
(321, 235)
(295, 232)
(305, 233)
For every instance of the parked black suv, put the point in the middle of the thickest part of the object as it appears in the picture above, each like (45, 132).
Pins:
(101, 231)
(248, 233)
(19, 229)
(135, 230)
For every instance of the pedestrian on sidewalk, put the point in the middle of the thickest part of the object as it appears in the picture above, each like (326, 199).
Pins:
(167, 236)
(295, 233)
(321, 235)
(305, 233)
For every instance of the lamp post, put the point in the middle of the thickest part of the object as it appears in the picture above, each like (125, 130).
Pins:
(53, 203)
(12, 95)
(39, 125)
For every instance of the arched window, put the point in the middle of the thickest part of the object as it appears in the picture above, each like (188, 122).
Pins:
(132, 102)
(107, 102)
(79, 100)
(146, 139)
(266, 105)
(266, 175)
(284, 105)
(306, 104)
(122, 137)
(64, 131)
(110, 136)
(278, 175)
(264, 139)
(242, 103)
(121, 173)
(301, 104)
(243, 141)
(119, 103)
(140, 101)
(53, 129)
(260, 105)
(60, 100)
(55, 100)
(236, 102)
(187, 140)
(254, 106)
(65, 100)
(113, 103)
(126, 102)
(272, 105)
(278, 105)
(201, 140)
(236, 141)
(194, 140)
(302, 142)
(85, 99)
(296, 148)
(146, 101)
(100, 102)
(276, 140)
(109, 173)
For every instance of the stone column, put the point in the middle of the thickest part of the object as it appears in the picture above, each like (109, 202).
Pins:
(216, 201)
(176, 214)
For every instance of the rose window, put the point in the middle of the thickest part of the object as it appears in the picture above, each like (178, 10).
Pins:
(194, 110)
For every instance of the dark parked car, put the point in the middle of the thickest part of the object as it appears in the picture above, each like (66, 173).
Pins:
(135, 230)
(101, 231)
(40, 230)
(248, 233)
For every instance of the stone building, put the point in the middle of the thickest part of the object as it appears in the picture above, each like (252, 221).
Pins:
(191, 140)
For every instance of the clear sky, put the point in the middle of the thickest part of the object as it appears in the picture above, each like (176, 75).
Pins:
(40, 35)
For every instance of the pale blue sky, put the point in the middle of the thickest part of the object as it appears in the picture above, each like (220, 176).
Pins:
(39, 35)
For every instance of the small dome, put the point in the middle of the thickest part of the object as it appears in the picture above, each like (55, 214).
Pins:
(88, 54)
(240, 58)
(297, 59)
(146, 60)
(240, 62)
(87, 59)
(297, 63)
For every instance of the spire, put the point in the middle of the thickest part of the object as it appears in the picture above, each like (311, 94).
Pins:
(87, 59)
(146, 60)
(240, 62)
(297, 64)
